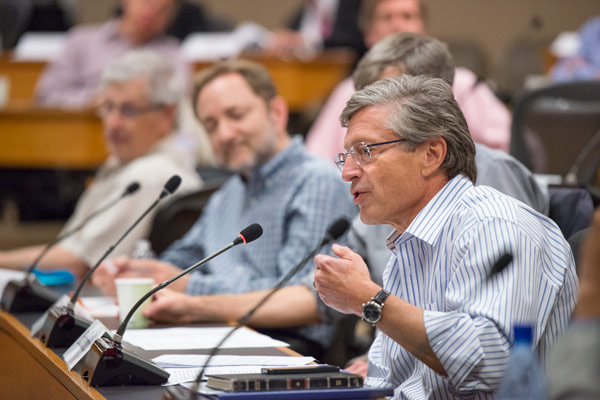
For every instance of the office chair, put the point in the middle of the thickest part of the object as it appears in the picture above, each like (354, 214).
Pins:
(177, 216)
(572, 208)
(576, 242)
(556, 130)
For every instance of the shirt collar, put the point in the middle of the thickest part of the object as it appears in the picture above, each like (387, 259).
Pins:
(428, 224)
(166, 145)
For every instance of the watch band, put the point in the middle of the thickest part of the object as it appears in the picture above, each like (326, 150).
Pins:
(381, 296)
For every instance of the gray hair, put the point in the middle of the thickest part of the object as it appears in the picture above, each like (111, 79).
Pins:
(164, 86)
(421, 108)
(411, 53)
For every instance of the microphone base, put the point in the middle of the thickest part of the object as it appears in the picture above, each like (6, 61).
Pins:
(107, 364)
(22, 296)
(61, 328)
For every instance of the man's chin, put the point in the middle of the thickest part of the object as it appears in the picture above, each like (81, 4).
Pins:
(367, 218)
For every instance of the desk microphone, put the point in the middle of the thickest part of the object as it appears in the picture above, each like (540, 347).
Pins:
(62, 327)
(29, 294)
(335, 230)
(109, 363)
(499, 266)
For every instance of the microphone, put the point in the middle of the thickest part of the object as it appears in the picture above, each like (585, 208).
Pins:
(109, 362)
(499, 266)
(29, 294)
(335, 230)
(62, 327)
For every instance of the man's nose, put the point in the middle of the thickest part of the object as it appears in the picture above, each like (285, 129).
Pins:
(351, 170)
(225, 132)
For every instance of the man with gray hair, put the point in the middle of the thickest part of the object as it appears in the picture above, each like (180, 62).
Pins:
(414, 54)
(137, 103)
(445, 313)
(487, 118)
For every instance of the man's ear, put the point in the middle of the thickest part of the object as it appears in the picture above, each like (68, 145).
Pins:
(434, 154)
(278, 110)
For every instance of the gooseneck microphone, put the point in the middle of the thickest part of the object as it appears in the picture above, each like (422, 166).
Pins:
(501, 264)
(29, 295)
(247, 235)
(62, 327)
(109, 362)
(335, 230)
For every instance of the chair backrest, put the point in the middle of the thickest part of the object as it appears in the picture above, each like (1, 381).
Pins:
(551, 126)
(576, 241)
(571, 208)
(177, 216)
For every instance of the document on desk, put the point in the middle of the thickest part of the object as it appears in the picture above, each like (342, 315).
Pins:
(198, 338)
(181, 375)
(198, 360)
(99, 306)
(7, 275)
(186, 367)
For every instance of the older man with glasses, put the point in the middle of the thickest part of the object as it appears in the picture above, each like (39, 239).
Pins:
(138, 102)
(445, 316)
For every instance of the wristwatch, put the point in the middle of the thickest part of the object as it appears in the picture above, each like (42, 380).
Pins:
(371, 310)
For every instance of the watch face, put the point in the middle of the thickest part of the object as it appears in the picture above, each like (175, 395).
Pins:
(371, 312)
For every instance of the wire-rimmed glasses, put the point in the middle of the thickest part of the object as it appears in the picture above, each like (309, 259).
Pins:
(360, 152)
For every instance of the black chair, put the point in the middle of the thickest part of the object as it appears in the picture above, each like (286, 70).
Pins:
(576, 241)
(177, 216)
(555, 130)
(571, 208)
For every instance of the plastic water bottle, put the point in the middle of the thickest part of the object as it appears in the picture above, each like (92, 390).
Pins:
(143, 249)
(524, 378)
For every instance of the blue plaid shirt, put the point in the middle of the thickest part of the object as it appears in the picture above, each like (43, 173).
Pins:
(294, 196)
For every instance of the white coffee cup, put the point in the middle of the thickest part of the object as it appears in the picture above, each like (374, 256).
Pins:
(129, 291)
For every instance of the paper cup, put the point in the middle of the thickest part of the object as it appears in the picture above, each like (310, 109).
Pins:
(129, 291)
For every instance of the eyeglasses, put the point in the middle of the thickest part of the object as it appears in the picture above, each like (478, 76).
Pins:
(360, 152)
(126, 110)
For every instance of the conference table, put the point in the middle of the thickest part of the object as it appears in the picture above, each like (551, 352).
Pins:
(304, 83)
(34, 137)
(30, 370)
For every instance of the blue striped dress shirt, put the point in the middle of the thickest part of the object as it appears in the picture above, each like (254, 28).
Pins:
(294, 196)
(441, 264)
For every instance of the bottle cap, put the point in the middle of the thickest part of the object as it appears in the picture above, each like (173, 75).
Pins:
(523, 333)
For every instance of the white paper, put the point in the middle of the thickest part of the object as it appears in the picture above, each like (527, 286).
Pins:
(198, 338)
(7, 275)
(201, 46)
(39, 46)
(83, 344)
(198, 360)
(180, 375)
(98, 306)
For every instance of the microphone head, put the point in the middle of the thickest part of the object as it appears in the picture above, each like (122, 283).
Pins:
(132, 188)
(171, 185)
(338, 228)
(249, 234)
(335, 230)
(502, 263)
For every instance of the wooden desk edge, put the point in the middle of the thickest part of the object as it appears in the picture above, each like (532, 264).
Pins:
(47, 358)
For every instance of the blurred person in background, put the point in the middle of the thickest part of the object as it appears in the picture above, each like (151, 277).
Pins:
(585, 64)
(487, 118)
(137, 102)
(317, 25)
